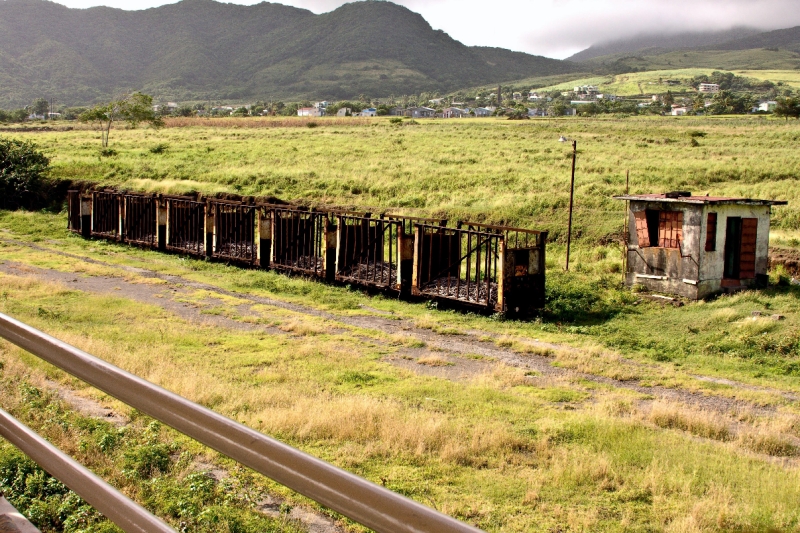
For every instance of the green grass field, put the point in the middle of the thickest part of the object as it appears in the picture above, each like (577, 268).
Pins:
(489, 169)
(641, 417)
(655, 81)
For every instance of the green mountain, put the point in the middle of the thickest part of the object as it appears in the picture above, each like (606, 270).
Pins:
(206, 50)
(738, 49)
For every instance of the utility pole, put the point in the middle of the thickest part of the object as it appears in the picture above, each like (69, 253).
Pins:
(571, 197)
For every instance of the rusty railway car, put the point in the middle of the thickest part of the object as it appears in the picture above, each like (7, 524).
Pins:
(477, 266)
(367, 251)
(140, 213)
(106, 209)
(187, 230)
(304, 242)
(234, 231)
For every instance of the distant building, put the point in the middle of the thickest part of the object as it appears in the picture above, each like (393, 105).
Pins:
(369, 112)
(397, 111)
(695, 246)
(321, 105)
(420, 112)
(517, 97)
(533, 96)
(537, 112)
(581, 102)
(436, 101)
(454, 112)
(708, 88)
(309, 112)
(344, 111)
(483, 112)
(679, 110)
(768, 107)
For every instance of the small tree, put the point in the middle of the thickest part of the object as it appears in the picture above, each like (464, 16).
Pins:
(40, 107)
(133, 109)
(788, 107)
(22, 170)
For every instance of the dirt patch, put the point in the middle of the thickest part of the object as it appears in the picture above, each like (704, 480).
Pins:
(787, 257)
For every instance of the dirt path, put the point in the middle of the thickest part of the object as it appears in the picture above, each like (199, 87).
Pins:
(465, 355)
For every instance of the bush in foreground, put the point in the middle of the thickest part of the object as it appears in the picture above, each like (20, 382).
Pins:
(22, 171)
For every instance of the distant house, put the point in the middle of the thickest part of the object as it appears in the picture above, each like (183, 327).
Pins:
(54, 116)
(516, 97)
(420, 112)
(768, 107)
(397, 111)
(369, 112)
(309, 112)
(483, 112)
(321, 105)
(537, 112)
(436, 101)
(708, 88)
(570, 111)
(454, 112)
(679, 110)
(533, 96)
(344, 111)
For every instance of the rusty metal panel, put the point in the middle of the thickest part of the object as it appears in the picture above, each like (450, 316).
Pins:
(105, 215)
(747, 259)
(367, 251)
(186, 223)
(235, 231)
(140, 215)
(642, 233)
(670, 229)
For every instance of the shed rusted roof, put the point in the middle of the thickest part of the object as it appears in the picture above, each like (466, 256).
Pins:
(698, 199)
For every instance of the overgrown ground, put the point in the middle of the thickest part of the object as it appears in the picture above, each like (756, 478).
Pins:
(604, 424)
(611, 412)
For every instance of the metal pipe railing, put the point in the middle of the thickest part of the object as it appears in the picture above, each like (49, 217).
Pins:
(354, 497)
(125, 513)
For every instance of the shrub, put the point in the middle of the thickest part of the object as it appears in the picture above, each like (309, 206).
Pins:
(22, 172)
(160, 148)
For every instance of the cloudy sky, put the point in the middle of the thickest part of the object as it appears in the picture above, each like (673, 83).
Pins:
(559, 28)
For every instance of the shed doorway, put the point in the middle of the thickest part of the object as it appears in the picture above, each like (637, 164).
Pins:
(740, 248)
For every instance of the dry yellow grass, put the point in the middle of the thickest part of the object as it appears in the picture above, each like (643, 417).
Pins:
(697, 422)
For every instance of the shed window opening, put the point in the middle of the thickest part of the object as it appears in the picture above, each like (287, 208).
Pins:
(662, 229)
(711, 232)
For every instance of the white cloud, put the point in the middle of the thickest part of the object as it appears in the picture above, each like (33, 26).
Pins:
(559, 28)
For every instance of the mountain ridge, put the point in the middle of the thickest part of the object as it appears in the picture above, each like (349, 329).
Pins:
(207, 50)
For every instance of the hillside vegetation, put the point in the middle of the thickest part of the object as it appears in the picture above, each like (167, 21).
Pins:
(207, 50)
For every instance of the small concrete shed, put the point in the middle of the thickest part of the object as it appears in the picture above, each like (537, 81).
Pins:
(695, 246)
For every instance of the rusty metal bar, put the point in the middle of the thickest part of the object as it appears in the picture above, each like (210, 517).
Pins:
(356, 498)
(125, 513)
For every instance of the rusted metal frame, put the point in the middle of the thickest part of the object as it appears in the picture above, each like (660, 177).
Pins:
(407, 223)
(186, 225)
(356, 498)
(138, 218)
(125, 513)
(381, 227)
(470, 251)
(495, 227)
(105, 214)
(235, 227)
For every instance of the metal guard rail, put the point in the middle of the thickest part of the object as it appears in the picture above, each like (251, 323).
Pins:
(360, 500)
(125, 513)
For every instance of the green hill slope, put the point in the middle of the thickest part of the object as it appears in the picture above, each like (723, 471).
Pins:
(201, 49)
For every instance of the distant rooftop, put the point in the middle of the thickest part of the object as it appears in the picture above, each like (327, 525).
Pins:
(689, 199)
